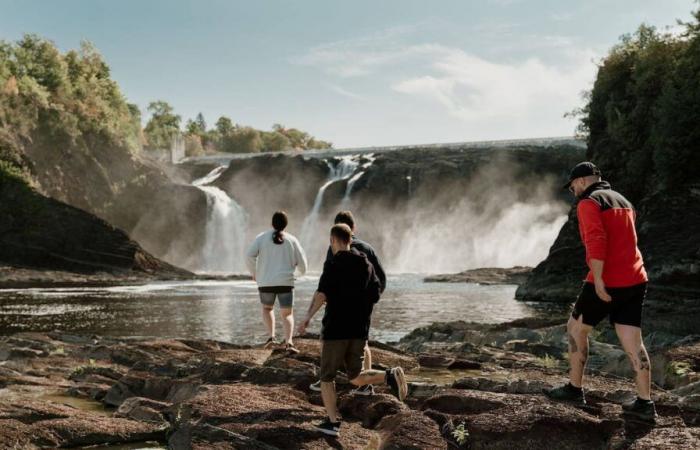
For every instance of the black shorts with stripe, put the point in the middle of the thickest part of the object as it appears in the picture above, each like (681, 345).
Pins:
(625, 307)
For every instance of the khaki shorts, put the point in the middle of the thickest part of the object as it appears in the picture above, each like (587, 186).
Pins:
(342, 353)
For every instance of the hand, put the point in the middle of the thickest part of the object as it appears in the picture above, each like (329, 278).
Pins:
(301, 329)
(601, 291)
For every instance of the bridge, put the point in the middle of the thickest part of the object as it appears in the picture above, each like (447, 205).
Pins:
(225, 158)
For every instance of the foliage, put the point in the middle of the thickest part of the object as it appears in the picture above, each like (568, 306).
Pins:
(460, 434)
(64, 101)
(641, 116)
(274, 141)
(162, 125)
(548, 361)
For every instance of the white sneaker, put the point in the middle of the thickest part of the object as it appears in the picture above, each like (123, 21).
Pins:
(367, 390)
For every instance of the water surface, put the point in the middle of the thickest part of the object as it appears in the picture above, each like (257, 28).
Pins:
(230, 310)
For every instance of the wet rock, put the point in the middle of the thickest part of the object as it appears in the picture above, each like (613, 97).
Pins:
(523, 421)
(481, 384)
(17, 435)
(31, 411)
(422, 391)
(460, 402)
(435, 361)
(488, 276)
(142, 409)
(298, 374)
(85, 429)
(86, 373)
(369, 409)
(257, 417)
(409, 430)
(465, 364)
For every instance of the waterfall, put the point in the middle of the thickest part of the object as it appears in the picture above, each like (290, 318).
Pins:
(343, 170)
(225, 231)
(345, 203)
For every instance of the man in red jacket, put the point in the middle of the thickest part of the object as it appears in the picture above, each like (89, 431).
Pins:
(615, 286)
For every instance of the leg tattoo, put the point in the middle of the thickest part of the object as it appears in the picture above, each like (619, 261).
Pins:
(573, 348)
(643, 360)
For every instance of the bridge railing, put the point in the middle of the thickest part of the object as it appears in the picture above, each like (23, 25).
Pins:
(326, 153)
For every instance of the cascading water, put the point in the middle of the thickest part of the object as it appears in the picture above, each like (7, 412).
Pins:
(343, 170)
(351, 182)
(225, 229)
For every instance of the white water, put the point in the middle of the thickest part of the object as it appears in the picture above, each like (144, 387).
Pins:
(225, 231)
(341, 171)
(345, 203)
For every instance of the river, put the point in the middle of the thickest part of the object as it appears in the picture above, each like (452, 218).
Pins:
(230, 311)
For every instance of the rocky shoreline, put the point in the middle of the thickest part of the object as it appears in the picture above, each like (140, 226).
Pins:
(472, 386)
(486, 275)
(26, 278)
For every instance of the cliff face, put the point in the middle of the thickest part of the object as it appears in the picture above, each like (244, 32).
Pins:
(412, 203)
(641, 118)
(43, 233)
(668, 239)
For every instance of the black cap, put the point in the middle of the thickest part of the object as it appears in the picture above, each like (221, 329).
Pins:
(582, 169)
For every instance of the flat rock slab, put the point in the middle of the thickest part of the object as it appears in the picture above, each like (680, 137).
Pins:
(276, 416)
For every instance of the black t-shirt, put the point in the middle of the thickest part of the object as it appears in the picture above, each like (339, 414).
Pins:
(351, 288)
(368, 250)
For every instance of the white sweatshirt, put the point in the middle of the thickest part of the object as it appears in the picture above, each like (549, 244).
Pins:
(273, 264)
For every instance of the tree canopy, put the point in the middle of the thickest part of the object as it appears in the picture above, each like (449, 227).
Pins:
(641, 117)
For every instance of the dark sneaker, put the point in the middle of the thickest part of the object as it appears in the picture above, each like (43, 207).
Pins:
(328, 427)
(396, 380)
(316, 387)
(270, 342)
(640, 409)
(290, 348)
(566, 393)
(367, 389)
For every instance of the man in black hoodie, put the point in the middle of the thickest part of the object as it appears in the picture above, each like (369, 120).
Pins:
(349, 287)
(348, 219)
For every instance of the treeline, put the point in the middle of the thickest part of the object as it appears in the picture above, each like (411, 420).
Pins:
(642, 117)
(64, 103)
(224, 136)
(58, 106)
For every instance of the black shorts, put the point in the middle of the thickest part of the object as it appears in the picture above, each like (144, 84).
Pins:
(625, 307)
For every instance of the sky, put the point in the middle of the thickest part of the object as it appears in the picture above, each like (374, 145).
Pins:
(360, 73)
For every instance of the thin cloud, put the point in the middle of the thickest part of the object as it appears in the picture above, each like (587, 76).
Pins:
(472, 88)
(344, 92)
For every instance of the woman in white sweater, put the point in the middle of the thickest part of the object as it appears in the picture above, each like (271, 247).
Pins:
(271, 259)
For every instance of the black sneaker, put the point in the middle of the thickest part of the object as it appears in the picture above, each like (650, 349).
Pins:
(316, 387)
(396, 380)
(328, 427)
(367, 390)
(640, 409)
(566, 393)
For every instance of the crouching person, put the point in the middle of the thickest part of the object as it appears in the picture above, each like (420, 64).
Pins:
(349, 288)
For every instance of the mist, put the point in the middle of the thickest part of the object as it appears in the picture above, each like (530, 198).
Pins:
(498, 215)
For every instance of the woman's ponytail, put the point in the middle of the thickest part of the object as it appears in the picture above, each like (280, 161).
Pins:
(279, 223)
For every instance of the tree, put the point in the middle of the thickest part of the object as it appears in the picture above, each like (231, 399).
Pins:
(202, 124)
(274, 141)
(241, 140)
(162, 125)
(224, 125)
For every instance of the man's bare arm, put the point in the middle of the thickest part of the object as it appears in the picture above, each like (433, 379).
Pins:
(597, 269)
(318, 300)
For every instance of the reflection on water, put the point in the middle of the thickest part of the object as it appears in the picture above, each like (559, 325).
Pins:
(83, 404)
(230, 310)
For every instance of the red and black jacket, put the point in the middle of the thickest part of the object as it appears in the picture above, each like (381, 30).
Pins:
(606, 223)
